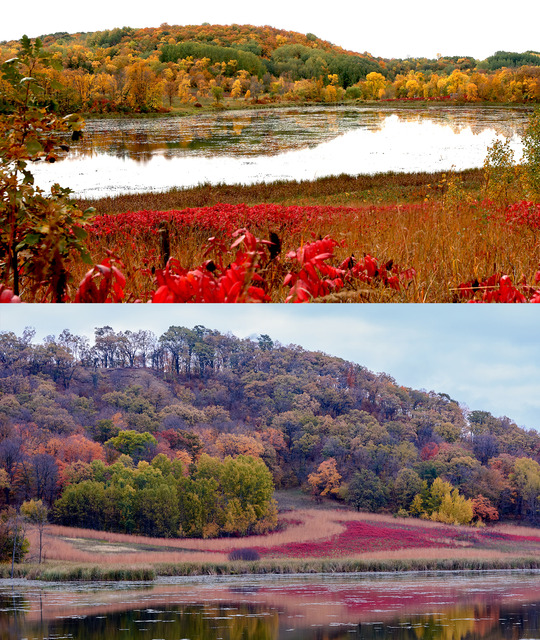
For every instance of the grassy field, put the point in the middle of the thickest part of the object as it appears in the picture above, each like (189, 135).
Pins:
(309, 540)
(421, 237)
(387, 238)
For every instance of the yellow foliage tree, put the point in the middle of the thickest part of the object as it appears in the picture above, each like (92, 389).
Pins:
(375, 85)
(326, 480)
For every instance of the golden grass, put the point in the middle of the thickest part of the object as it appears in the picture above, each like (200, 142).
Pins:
(517, 530)
(315, 525)
(72, 545)
(448, 240)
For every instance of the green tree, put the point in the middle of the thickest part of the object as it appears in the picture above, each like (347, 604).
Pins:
(82, 505)
(247, 486)
(103, 430)
(407, 484)
(157, 511)
(366, 492)
(133, 443)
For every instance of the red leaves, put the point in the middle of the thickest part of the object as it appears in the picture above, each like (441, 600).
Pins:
(524, 213)
(499, 288)
(213, 282)
(7, 296)
(103, 283)
(243, 279)
(316, 278)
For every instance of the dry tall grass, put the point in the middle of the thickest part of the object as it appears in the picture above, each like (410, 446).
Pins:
(331, 190)
(71, 545)
(448, 238)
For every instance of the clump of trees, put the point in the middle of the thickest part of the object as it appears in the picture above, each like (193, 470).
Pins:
(149, 70)
(217, 497)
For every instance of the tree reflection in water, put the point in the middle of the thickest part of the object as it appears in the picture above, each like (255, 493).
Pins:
(456, 607)
(298, 143)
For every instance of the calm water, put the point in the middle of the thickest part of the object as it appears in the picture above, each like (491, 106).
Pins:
(490, 606)
(129, 155)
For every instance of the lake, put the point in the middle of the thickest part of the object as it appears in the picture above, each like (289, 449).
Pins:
(409, 606)
(126, 155)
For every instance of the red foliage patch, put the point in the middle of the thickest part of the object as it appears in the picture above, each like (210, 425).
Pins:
(499, 288)
(523, 213)
(359, 537)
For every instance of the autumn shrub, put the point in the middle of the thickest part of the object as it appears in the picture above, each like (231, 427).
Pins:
(40, 234)
(531, 155)
(244, 554)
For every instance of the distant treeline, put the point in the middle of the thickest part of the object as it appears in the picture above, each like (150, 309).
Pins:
(142, 70)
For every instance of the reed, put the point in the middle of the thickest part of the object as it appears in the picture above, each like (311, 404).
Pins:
(79, 572)
(341, 189)
(436, 224)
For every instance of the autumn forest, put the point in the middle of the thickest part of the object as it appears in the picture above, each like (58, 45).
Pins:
(189, 433)
(156, 69)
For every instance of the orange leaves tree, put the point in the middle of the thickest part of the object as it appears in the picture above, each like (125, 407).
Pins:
(326, 480)
(38, 233)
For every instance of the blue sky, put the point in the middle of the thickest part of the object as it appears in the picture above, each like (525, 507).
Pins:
(484, 356)
(392, 29)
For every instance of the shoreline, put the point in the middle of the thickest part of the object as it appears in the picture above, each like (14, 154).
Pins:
(259, 106)
(292, 567)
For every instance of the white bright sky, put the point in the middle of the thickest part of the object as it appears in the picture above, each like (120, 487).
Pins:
(387, 29)
(484, 356)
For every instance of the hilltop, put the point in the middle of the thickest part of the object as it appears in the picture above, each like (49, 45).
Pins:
(174, 67)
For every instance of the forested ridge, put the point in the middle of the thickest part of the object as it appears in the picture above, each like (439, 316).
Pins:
(188, 432)
(172, 66)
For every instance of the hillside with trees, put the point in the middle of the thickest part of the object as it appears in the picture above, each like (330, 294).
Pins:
(178, 67)
(188, 433)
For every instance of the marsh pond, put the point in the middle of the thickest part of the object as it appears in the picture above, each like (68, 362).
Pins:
(410, 606)
(127, 155)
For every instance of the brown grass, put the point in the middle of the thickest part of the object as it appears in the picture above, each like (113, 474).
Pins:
(448, 241)
(71, 545)
(331, 190)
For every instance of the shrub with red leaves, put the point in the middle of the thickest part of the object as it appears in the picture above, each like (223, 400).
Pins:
(499, 288)
(103, 283)
(524, 213)
(211, 282)
(316, 278)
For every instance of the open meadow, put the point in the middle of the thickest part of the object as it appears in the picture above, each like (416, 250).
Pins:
(383, 238)
(308, 540)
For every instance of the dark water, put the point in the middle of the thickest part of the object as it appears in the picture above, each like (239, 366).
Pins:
(467, 606)
(231, 147)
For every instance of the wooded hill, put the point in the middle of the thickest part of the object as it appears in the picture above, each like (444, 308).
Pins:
(76, 420)
(173, 66)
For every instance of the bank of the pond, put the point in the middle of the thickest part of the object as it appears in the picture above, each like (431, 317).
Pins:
(62, 572)
(240, 105)
(343, 190)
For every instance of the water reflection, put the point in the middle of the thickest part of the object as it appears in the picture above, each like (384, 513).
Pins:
(271, 131)
(497, 606)
(128, 155)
